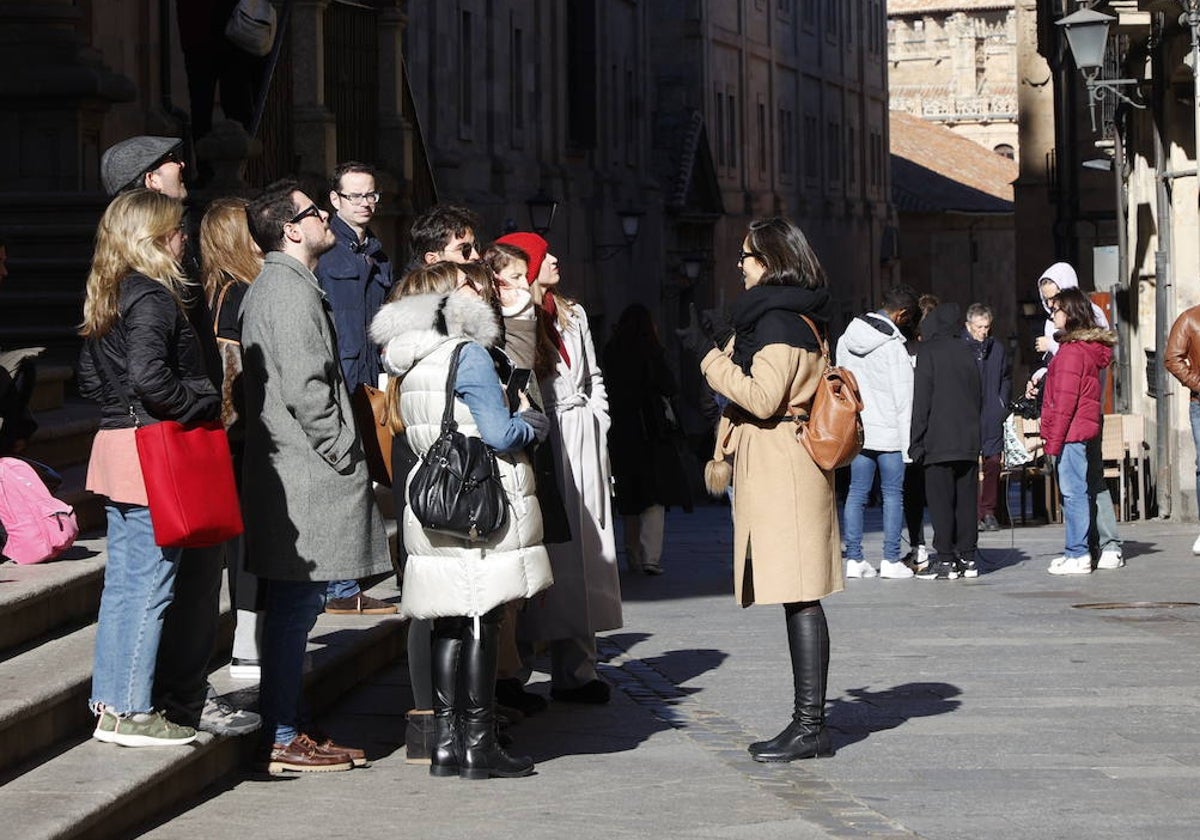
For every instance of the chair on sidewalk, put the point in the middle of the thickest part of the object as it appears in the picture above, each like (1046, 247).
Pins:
(1114, 455)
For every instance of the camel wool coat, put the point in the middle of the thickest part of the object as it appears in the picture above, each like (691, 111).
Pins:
(786, 541)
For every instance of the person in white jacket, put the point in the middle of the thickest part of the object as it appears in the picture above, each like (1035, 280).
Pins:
(873, 349)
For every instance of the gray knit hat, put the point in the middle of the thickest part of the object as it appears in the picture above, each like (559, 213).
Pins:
(129, 160)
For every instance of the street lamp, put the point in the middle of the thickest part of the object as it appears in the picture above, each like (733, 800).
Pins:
(541, 212)
(630, 224)
(1087, 39)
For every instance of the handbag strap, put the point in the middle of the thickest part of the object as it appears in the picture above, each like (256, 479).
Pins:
(820, 339)
(448, 423)
(114, 380)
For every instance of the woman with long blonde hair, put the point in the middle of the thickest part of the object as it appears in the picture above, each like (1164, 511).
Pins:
(142, 362)
(231, 260)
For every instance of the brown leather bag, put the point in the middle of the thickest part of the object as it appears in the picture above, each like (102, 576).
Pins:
(833, 430)
(371, 416)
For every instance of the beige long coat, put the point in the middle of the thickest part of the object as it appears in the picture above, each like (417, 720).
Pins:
(786, 542)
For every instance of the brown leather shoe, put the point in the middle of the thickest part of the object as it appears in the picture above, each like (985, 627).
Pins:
(303, 755)
(360, 604)
(357, 757)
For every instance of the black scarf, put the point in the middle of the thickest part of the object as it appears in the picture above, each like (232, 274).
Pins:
(767, 315)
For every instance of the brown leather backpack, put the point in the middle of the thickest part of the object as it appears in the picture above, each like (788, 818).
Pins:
(833, 430)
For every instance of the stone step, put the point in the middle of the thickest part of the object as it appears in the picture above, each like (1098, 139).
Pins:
(50, 391)
(94, 790)
(89, 508)
(64, 435)
(37, 599)
(51, 209)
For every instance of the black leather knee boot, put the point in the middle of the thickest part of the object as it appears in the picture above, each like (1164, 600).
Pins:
(808, 644)
(447, 662)
(481, 757)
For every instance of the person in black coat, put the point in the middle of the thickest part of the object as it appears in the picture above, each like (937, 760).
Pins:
(995, 375)
(645, 441)
(945, 439)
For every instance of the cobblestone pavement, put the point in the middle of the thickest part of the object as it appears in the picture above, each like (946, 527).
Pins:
(1005, 706)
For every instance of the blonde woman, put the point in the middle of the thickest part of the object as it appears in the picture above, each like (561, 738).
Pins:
(231, 260)
(142, 362)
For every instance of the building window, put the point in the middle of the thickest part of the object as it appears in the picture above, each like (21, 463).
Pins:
(812, 148)
(784, 8)
(614, 103)
(731, 132)
(787, 142)
(809, 16)
(831, 17)
(833, 150)
(851, 156)
(762, 138)
(466, 74)
(719, 122)
(517, 81)
(632, 104)
(1006, 151)
(582, 73)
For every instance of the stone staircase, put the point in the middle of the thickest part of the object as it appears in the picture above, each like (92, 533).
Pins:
(57, 783)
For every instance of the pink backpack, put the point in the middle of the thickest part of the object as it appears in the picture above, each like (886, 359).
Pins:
(40, 527)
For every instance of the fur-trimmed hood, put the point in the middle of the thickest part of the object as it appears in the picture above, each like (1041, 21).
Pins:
(411, 328)
(1097, 334)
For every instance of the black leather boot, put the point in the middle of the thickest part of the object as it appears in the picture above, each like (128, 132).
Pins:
(447, 662)
(805, 736)
(481, 756)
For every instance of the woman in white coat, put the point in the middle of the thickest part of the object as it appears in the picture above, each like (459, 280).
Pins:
(463, 585)
(586, 596)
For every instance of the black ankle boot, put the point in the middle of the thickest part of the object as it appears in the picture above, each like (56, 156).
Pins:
(805, 736)
(481, 756)
(447, 659)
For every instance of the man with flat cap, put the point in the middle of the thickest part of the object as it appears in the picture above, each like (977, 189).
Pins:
(181, 687)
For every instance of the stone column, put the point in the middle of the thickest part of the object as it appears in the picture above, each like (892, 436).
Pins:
(314, 127)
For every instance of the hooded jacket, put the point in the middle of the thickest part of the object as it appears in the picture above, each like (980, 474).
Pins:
(446, 576)
(1064, 276)
(946, 392)
(1071, 408)
(874, 350)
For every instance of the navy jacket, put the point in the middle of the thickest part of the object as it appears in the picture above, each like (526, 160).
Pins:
(995, 375)
(356, 278)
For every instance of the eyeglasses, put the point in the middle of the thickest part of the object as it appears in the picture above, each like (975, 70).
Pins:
(360, 198)
(466, 249)
(747, 255)
(169, 157)
(311, 210)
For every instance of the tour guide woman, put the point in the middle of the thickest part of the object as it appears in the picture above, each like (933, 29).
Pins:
(787, 548)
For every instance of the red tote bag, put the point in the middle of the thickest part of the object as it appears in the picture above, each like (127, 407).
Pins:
(188, 473)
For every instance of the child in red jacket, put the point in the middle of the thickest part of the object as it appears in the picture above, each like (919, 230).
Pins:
(1071, 417)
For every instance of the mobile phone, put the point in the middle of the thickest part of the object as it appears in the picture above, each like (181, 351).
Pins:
(518, 382)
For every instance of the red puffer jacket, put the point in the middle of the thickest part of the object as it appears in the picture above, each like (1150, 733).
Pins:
(1071, 408)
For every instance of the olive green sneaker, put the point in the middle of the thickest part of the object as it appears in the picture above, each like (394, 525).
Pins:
(149, 730)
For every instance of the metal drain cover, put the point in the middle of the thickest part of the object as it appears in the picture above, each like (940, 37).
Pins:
(1136, 605)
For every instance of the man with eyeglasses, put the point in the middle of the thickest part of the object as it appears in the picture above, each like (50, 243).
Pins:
(310, 511)
(356, 276)
(181, 687)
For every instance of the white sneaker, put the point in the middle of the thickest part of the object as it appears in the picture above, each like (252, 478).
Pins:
(860, 569)
(1071, 565)
(1196, 546)
(894, 570)
(1110, 558)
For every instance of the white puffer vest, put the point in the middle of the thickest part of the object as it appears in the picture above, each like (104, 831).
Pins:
(447, 576)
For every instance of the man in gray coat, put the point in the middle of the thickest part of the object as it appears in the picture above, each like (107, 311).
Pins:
(310, 513)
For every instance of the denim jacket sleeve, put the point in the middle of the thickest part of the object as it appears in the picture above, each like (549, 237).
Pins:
(478, 386)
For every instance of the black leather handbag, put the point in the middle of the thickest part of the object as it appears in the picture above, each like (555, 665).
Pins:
(456, 490)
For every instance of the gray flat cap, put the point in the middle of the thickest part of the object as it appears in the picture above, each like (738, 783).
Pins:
(130, 159)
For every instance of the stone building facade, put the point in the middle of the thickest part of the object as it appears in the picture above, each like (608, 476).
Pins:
(954, 62)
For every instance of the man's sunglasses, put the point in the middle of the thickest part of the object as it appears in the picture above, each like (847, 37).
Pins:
(747, 255)
(466, 249)
(311, 210)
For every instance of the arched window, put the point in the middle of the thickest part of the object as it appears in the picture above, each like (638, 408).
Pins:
(1005, 150)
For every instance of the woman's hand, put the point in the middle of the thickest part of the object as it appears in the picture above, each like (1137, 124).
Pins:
(1042, 345)
(1031, 389)
(523, 402)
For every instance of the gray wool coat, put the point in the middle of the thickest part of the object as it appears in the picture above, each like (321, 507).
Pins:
(309, 509)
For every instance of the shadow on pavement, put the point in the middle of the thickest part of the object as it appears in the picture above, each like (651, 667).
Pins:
(864, 712)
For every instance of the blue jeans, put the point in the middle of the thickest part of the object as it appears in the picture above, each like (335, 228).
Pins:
(292, 610)
(1077, 498)
(139, 585)
(891, 480)
(342, 589)
(1194, 414)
